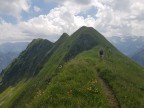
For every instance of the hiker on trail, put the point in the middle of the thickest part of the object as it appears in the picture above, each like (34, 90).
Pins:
(108, 52)
(101, 53)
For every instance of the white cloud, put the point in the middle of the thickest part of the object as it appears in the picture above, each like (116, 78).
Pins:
(36, 9)
(59, 20)
(13, 7)
(113, 17)
(9, 32)
(116, 17)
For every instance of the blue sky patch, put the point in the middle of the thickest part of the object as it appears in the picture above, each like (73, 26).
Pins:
(44, 6)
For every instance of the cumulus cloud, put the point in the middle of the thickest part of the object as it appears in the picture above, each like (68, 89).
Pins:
(9, 32)
(116, 17)
(13, 7)
(113, 17)
(59, 20)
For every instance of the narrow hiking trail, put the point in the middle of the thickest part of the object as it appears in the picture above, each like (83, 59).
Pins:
(112, 101)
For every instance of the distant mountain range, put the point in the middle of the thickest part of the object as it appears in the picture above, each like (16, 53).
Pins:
(139, 56)
(72, 73)
(9, 51)
(128, 45)
(132, 46)
(13, 47)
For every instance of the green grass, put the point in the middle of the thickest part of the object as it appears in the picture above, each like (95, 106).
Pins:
(10, 94)
(75, 86)
(123, 76)
(126, 80)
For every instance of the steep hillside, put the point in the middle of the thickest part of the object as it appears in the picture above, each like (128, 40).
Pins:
(58, 58)
(27, 64)
(74, 75)
(139, 57)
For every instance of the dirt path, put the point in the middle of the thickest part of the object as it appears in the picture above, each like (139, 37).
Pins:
(112, 101)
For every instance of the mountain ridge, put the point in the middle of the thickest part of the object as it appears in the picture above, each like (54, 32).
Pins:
(128, 45)
(13, 73)
(69, 75)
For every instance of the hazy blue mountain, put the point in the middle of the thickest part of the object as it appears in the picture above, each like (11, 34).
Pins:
(6, 58)
(128, 45)
(13, 47)
(139, 56)
(9, 51)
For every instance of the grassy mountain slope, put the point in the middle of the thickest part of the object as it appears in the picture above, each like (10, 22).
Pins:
(27, 64)
(77, 84)
(51, 68)
(69, 78)
(38, 82)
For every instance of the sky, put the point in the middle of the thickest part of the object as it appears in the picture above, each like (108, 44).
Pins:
(24, 20)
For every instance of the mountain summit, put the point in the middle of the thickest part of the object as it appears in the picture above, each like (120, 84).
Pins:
(72, 73)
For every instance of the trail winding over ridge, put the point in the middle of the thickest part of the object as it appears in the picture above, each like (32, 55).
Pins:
(112, 101)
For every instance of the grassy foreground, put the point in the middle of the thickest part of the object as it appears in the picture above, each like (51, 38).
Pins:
(77, 86)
